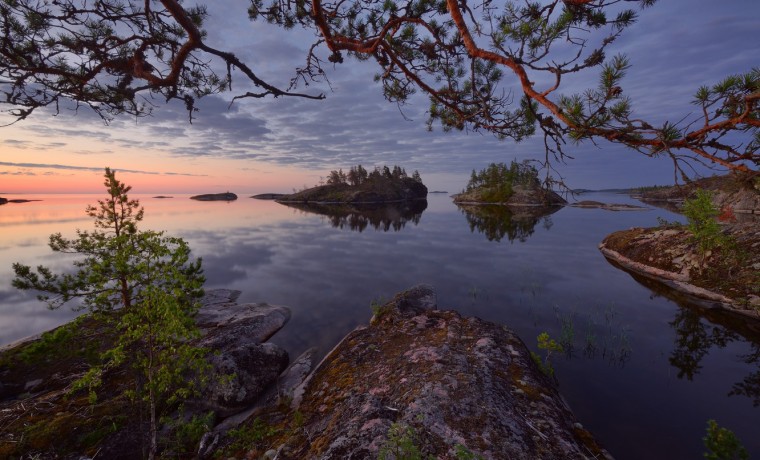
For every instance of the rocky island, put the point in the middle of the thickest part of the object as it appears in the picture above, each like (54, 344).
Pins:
(382, 185)
(228, 196)
(416, 378)
(720, 269)
(514, 185)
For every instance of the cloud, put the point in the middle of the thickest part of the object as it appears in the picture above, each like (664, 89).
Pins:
(89, 168)
(671, 53)
(17, 173)
(16, 143)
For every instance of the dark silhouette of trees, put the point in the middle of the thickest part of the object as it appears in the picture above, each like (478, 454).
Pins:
(357, 175)
(112, 56)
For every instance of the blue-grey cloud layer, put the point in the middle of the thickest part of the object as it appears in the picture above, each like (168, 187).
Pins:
(676, 47)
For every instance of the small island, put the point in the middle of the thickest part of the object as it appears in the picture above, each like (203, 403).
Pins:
(513, 185)
(163, 196)
(228, 196)
(382, 185)
(6, 200)
(269, 196)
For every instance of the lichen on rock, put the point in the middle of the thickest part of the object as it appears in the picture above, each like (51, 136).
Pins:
(454, 382)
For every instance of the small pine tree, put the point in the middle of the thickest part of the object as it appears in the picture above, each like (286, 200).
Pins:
(144, 285)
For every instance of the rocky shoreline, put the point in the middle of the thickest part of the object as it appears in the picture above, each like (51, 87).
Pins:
(453, 384)
(714, 279)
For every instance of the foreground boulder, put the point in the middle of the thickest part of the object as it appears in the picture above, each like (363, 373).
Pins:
(236, 333)
(438, 383)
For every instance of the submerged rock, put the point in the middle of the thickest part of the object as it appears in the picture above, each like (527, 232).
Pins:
(451, 384)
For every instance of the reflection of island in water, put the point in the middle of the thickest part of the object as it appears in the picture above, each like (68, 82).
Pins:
(698, 329)
(498, 221)
(357, 217)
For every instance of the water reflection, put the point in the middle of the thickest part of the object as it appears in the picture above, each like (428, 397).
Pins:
(357, 217)
(498, 221)
(700, 330)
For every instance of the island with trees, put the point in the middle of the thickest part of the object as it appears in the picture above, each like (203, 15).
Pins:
(359, 186)
(513, 185)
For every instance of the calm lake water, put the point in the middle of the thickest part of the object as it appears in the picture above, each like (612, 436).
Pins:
(642, 372)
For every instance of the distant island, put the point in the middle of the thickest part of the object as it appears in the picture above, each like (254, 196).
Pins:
(228, 196)
(513, 185)
(439, 191)
(382, 185)
(269, 196)
(6, 200)
(163, 196)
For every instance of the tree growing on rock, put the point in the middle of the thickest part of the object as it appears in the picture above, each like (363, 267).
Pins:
(143, 285)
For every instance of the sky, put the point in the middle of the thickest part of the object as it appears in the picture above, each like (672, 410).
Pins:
(277, 145)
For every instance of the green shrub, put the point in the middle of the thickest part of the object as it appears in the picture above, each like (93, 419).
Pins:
(401, 444)
(701, 214)
(549, 345)
(722, 444)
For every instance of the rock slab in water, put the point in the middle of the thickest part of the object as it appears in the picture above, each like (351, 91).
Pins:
(456, 383)
(215, 197)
